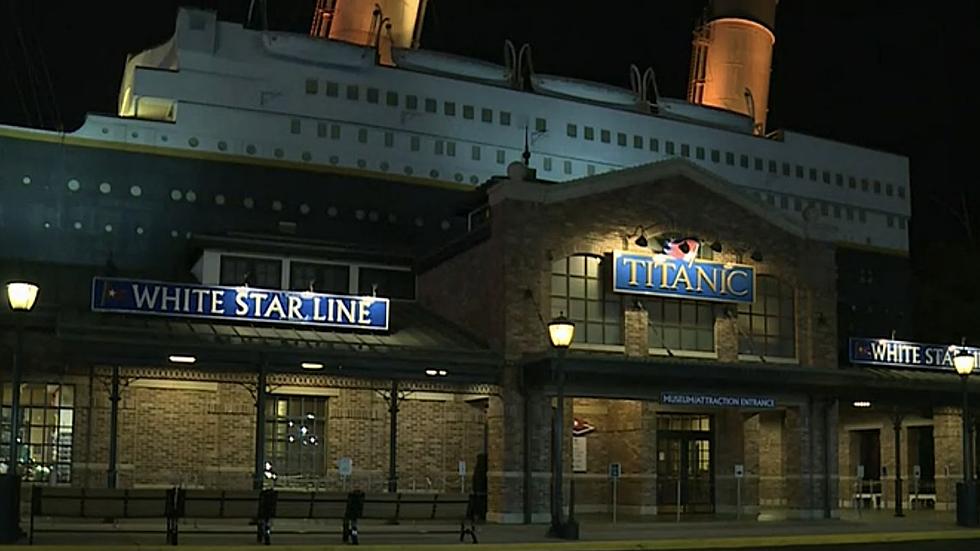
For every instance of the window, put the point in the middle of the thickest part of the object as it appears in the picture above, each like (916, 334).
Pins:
(295, 126)
(799, 171)
(468, 112)
(890, 220)
(797, 204)
(783, 202)
(431, 105)
(505, 118)
(864, 185)
(389, 139)
(590, 169)
(501, 156)
(415, 143)
(901, 222)
(773, 167)
(685, 150)
(621, 139)
(839, 179)
(654, 144)
(786, 169)
(851, 182)
(571, 130)
(486, 115)
(567, 167)
(547, 164)
(901, 191)
(637, 142)
(475, 153)
(296, 437)
(321, 278)
(362, 135)
(332, 89)
(438, 147)
(449, 108)
(889, 190)
(312, 86)
(758, 164)
(767, 327)
(334, 131)
(540, 125)
(699, 153)
(743, 161)
(605, 136)
(669, 147)
(850, 213)
(411, 102)
(387, 283)
(45, 430)
(683, 422)
(265, 273)
(729, 158)
(451, 149)
(589, 133)
(877, 187)
(321, 130)
(826, 177)
(681, 324)
(825, 209)
(372, 95)
(813, 174)
(391, 98)
(715, 156)
(836, 211)
(862, 215)
(580, 290)
(352, 92)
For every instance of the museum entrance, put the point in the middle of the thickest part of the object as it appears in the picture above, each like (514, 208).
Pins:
(685, 457)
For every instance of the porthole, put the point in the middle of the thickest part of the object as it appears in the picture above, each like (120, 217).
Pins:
(174, 234)
(47, 225)
(332, 211)
(135, 191)
(77, 225)
(474, 179)
(384, 166)
(444, 225)
(222, 145)
(176, 194)
(419, 222)
(108, 228)
(74, 185)
(105, 188)
(250, 149)
(361, 163)
(408, 170)
(135, 134)
(139, 230)
(163, 138)
(277, 206)
(458, 177)
(219, 199)
(373, 216)
(359, 214)
(26, 180)
(304, 209)
(193, 142)
(307, 156)
(190, 196)
(105, 130)
(248, 202)
(278, 153)
(334, 159)
(434, 173)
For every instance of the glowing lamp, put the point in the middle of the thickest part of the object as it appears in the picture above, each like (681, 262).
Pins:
(21, 295)
(964, 362)
(561, 330)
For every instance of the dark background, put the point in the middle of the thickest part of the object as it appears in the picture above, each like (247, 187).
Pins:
(880, 74)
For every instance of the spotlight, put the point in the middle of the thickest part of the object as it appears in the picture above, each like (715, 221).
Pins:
(641, 241)
(311, 365)
(174, 358)
(431, 372)
(715, 246)
(862, 404)
(757, 256)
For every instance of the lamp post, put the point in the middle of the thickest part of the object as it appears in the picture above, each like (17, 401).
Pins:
(560, 331)
(966, 491)
(21, 296)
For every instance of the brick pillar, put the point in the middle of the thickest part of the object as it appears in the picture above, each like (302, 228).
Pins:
(505, 454)
(795, 450)
(751, 443)
(729, 451)
(636, 337)
(771, 451)
(948, 440)
(888, 462)
(726, 337)
(634, 446)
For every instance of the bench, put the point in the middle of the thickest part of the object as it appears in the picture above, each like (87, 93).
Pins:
(252, 505)
(395, 508)
(310, 505)
(100, 504)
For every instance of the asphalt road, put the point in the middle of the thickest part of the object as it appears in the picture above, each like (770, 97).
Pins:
(945, 545)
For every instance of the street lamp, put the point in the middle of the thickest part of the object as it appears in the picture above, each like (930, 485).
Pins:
(561, 330)
(21, 296)
(966, 491)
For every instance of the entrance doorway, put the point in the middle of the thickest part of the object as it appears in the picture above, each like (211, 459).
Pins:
(685, 459)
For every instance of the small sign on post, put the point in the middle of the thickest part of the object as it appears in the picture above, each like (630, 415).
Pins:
(345, 465)
(739, 474)
(739, 471)
(462, 477)
(615, 470)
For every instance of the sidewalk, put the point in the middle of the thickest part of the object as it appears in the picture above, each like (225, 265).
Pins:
(597, 534)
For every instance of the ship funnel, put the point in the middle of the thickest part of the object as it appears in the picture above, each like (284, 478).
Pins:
(379, 23)
(731, 58)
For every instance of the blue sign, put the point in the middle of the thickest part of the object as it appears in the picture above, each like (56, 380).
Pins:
(130, 296)
(906, 354)
(716, 401)
(664, 275)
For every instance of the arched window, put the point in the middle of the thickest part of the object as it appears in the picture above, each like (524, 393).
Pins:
(581, 289)
(767, 327)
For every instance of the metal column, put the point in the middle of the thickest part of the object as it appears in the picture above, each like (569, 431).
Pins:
(393, 438)
(897, 426)
(112, 472)
(260, 396)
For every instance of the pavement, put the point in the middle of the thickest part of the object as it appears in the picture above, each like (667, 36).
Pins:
(872, 531)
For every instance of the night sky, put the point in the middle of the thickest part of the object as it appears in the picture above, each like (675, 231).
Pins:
(879, 74)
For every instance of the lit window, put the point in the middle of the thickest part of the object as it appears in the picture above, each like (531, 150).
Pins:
(571, 130)
(589, 133)
(45, 432)
(605, 136)
(767, 327)
(681, 324)
(296, 437)
(540, 125)
(637, 142)
(486, 115)
(621, 139)
(579, 291)
(312, 86)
